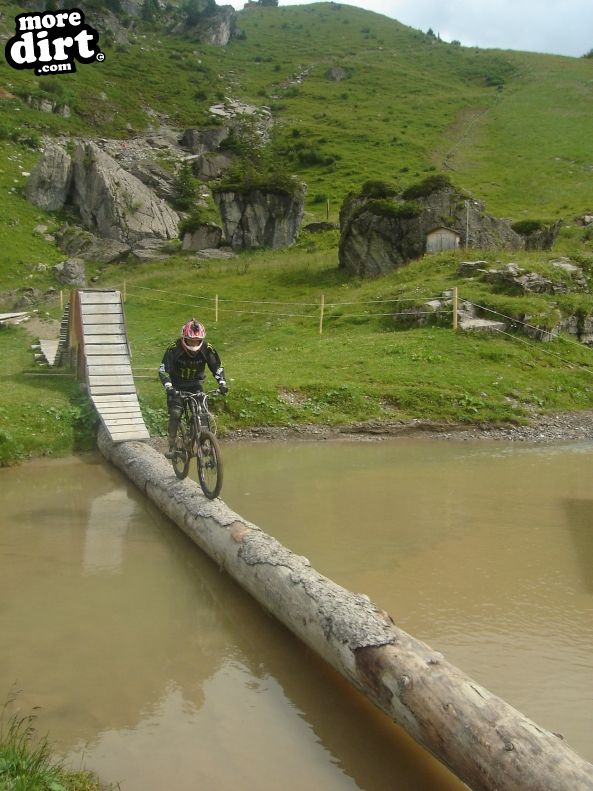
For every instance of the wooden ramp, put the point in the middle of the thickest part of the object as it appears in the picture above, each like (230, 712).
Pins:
(107, 364)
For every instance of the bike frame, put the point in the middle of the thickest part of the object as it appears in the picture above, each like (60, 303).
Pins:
(196, 412)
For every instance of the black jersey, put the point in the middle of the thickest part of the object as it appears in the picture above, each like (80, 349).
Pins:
(187, 371)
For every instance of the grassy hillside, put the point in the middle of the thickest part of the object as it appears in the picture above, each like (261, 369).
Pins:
(511, 128)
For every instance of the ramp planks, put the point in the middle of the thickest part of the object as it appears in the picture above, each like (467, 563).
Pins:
(108, 369)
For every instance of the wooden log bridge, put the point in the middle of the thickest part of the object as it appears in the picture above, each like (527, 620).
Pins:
(484, 741)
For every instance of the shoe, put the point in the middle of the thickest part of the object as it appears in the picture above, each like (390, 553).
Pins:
(170, 454)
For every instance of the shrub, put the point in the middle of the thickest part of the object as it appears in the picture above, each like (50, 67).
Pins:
(426, 187)
(375, 188)
(186, 186)
(385, 208)
(526, 227)
(191, 223)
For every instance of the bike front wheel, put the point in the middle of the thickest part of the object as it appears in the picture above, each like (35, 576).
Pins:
(181, 451)
(209, 465)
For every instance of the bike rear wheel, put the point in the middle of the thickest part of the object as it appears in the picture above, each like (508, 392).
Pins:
(209, 465)
(182, 455)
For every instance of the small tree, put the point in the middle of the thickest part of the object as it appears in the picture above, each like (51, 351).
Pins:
(193, 10)
(186, 186)
(150, 10)
(588, 54)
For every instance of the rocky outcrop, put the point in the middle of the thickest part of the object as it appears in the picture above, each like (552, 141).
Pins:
(113, 203)
(47, 105)
(378, 235)
(50, 181)
(337, 74)
(205, 237)
(116, 204)
(216, 26)
(75, 241)
(153, 175)
(211, 166)
(260, 218)
(71, 272)
(563, 277)
(201, 141)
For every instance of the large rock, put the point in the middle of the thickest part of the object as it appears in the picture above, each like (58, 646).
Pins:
(71, 272)
(114, 203)
(50, 181)
(381, 234)
(205, 237)
(260, 218)
(201, 141)
(75, 241)
(215, 26)
(211, 166)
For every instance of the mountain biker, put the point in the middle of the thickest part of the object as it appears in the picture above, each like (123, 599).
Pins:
(184, 368)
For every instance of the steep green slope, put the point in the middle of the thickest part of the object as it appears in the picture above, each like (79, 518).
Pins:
(513, 126)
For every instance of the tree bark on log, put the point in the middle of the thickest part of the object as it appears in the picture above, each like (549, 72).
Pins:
(483, 740)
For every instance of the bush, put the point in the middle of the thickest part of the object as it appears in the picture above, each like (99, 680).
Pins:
(386, 208)
(526, 227)
(426, 187)
(191, 223)
(378, 189)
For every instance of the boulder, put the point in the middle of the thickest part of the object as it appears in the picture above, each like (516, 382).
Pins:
(50, 181)
(211, 166)
(26, 297)
(202, 141)
(205, 237)
(115, 203)
(71, 272)
(75, 241)
(151, 250)
(337, 74)
(379, 235)
(259, 217)
(210, 255)
(543, 238)
(216, 27)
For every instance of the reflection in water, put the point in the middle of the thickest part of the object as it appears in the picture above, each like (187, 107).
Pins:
(106, 529)
(580, 522)
(161, 672)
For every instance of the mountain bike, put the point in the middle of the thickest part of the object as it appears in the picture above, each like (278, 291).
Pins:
(196, 437)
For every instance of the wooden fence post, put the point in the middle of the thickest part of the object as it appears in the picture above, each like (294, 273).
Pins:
(455, 306)
(321, 311)
(327, 209)
(124, 292)
(216, 309)
(61, 300)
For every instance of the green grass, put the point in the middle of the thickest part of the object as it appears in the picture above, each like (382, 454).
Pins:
(38, 415)
(366, 366)
(510, 128)
(27, 762)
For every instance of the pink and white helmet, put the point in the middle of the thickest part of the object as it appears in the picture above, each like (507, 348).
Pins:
(192, 336)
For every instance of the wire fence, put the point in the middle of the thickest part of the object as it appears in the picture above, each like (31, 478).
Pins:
(313, 311)
(321, 311)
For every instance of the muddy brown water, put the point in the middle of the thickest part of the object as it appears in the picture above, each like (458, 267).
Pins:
(156, 670)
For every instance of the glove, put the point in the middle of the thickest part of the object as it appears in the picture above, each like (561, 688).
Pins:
(169, 389)
(223, 387)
